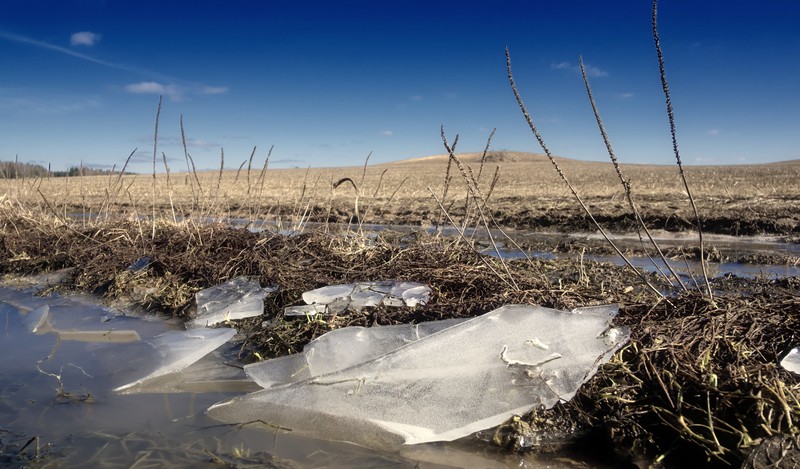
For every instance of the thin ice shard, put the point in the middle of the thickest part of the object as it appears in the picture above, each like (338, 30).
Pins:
(39, 321)
(238, 298)
(465, 378)
(167, 353)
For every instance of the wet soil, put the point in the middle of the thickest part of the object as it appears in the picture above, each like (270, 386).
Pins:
(698, 383)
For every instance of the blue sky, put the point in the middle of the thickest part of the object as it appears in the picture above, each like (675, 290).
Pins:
(327, 83)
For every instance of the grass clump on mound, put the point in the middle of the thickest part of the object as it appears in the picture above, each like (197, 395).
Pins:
(699, 381)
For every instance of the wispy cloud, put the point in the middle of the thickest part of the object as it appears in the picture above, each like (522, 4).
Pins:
(386, 133)
(18, 38)
(171, 90)
(713, 133)
(152, 87)
(174, 88)
(591, 70)
(37, 102)
(84, 38)
(626, 95)
(214, 89)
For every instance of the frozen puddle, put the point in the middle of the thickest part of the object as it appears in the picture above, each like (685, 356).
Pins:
(383, 392)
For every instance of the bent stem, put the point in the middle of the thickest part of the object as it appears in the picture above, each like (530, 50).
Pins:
(566, 181)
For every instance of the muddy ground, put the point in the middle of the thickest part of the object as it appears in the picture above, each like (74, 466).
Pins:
(698, 383)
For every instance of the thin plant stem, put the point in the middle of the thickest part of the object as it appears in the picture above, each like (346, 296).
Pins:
(626, 184)
(671, 115)
(566, 181)
(155, 150)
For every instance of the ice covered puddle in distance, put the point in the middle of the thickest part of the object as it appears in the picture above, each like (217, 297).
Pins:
(464, 378)
(238, 298)
(335, 299)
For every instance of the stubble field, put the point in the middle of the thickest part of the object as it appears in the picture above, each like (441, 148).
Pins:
(524, 191)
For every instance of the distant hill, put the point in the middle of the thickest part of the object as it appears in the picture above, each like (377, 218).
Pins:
(493, 157)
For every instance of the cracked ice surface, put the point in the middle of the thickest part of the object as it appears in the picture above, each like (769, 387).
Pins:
(356, 296)
(237, 298)
(467, 377)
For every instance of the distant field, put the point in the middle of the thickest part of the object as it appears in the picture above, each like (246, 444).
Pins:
(742, 199)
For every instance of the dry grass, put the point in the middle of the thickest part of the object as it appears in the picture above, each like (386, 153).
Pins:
(528, 189)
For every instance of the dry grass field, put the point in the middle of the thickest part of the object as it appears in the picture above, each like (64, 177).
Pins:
(523, 189)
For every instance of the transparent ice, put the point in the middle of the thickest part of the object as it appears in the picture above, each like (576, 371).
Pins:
(356, 296)
(238, 298)
(340, 349)
(464, 378)
(791, 361)
(163, 354)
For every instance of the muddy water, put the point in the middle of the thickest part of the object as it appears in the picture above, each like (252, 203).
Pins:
(733, 247)
(56, 396)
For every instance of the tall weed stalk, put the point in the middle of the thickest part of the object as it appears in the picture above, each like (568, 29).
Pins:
(671, 115)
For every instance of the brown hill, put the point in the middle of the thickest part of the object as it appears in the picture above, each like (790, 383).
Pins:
(493, 157)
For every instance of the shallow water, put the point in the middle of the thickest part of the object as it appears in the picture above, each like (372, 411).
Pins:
(90, 424)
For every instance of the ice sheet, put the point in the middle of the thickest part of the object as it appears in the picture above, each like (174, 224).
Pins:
(238, 298)
(340, 349)
(467, 377)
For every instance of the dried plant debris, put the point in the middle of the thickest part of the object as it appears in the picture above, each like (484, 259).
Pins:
(464, 378)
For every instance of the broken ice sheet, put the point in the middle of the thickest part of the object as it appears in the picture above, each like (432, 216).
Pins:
(340, 349)
(356, 296)
(39, 321)
(238, 298)
(791, 361)
(163, 354)
(465, 378)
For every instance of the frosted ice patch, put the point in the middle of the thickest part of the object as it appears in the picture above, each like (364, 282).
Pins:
(464, 378)
(238, 298)
(356, 296)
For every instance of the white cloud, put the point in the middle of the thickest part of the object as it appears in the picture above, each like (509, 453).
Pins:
(416, 98)
(626, 95)
(386, 133)
(84, 38)
(713, 133)
(215, 89)
(591, 71)
(152, 87)
(175, 92)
